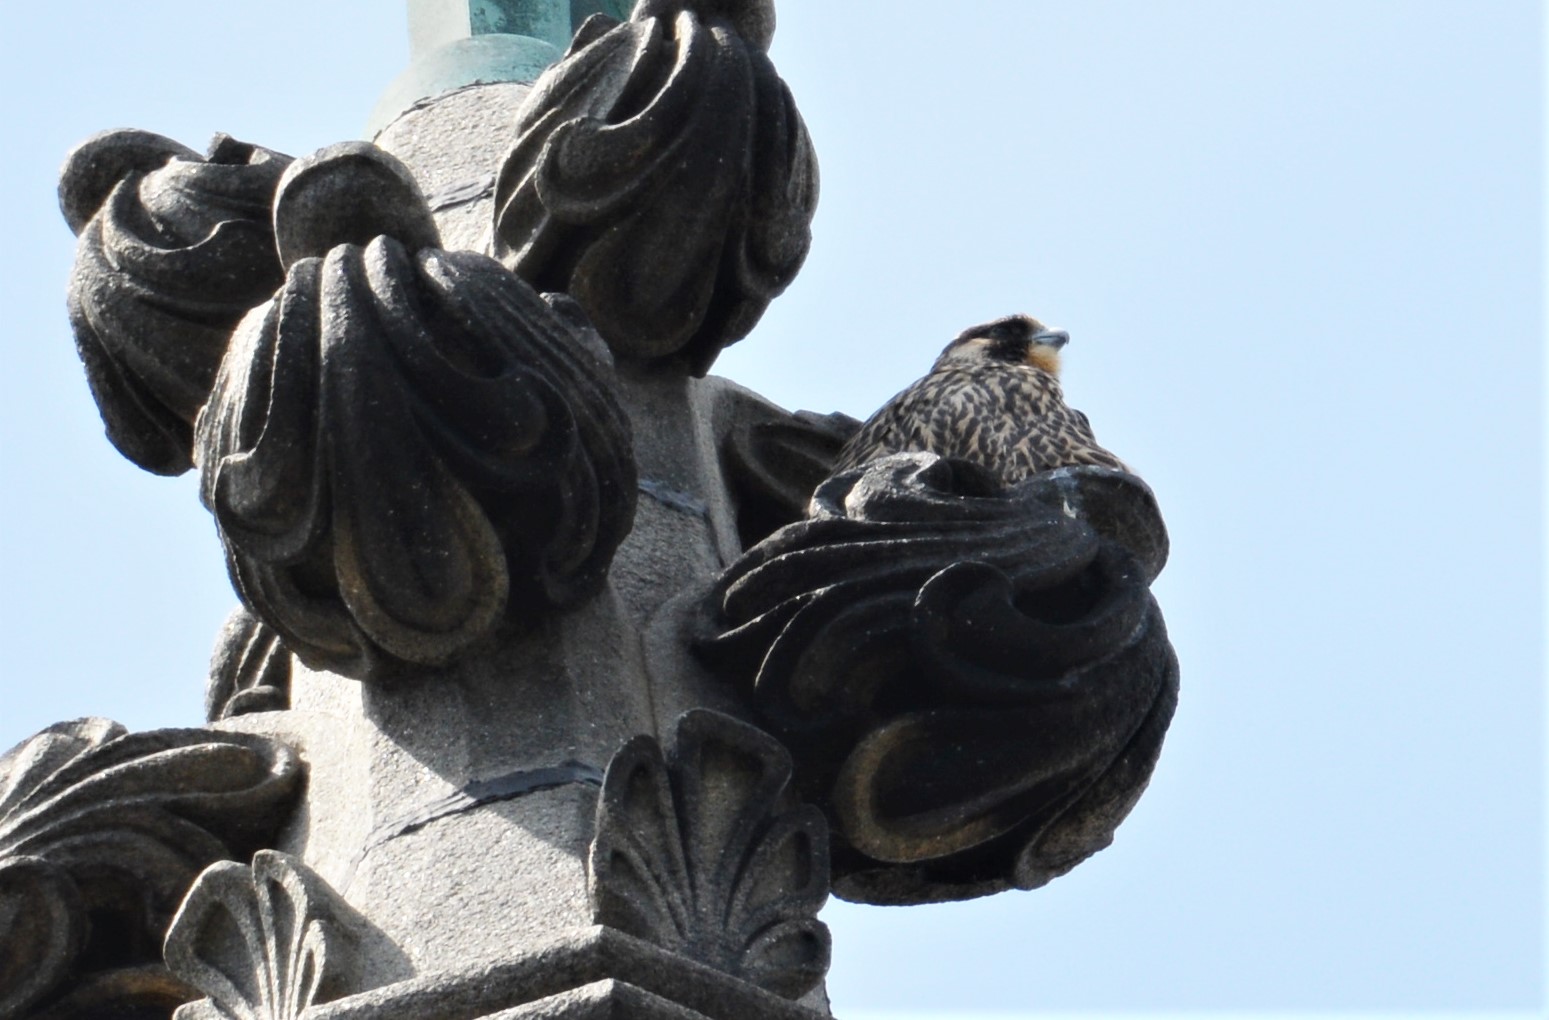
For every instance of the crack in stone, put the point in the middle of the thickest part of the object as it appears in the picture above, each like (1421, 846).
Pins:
(674, 499)
(481, 792)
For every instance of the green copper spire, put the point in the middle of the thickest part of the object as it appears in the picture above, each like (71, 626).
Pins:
(455, 43)
(435, 23)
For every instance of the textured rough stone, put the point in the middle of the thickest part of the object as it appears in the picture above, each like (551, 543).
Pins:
(269, 942)
(174, 249)
(774, 461)
(249, 671)
(349, 194)
(591, 968)
(701, 854)
(400, 773)
(455, 146)
(662, 177)
(101, 833)
(974, 682)
(402, 448)
(516, 514)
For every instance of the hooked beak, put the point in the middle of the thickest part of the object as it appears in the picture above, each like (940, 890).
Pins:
(1055, 338)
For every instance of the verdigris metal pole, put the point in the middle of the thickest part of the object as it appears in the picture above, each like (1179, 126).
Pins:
(458, 43)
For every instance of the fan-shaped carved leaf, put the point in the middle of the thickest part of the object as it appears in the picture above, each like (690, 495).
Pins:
(401, 447)
(977, 680)
(265, 942)
(704, 854)
(663, 177)
(174, 249)
(102, 832)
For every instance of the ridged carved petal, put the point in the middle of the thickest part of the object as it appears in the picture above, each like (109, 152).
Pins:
(400, 444)
(174, 250)
(250, 670)
(663, 177)
(101, 834)
(773, 461)
(263, 943)
(705, 854)
(974, 682)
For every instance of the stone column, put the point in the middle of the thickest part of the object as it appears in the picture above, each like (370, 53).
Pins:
(568, 681)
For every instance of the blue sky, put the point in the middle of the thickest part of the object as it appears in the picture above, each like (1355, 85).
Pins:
(1299, 249)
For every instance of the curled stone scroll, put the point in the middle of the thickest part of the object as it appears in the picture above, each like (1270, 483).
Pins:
(974, 682)
(407, 445)
(174, 250)
(663, 177)
(101, 834)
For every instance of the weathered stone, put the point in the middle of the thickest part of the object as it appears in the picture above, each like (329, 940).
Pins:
(663, 178)
(702, 854)
(500, 755)
(174, 250)
(974, 683)
(349, 194)
(774, 461)
(455, 146)
(101, 833)
(566, 976)
(266, 942)
(250, 670)
(405, 448)
(516, 514)
(133, 993)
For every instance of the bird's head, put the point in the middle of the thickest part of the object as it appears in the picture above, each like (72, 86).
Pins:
(1015, 339)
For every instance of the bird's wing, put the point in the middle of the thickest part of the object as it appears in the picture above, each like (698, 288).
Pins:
(898, 425)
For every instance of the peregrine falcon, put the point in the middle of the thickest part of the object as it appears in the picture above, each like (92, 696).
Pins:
(993, 398)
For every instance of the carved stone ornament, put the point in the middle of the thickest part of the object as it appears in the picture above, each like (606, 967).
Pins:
(101, 834)
(174, 249)
(250, 670)
(663, 177)
(705, 854)
(267, 942)
(974, 683)
(407, 445)
(774, 461)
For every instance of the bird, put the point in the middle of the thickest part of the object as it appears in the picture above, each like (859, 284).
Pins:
(993, 397)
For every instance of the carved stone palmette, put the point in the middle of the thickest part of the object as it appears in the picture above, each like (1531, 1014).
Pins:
(406, 446)
(266, 942)
(705, 854)
(664, 178)
(101, 834)
(174, 250)
(974, 683)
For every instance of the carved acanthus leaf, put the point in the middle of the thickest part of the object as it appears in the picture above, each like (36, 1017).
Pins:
(704, 853)
(265, 942)
(404, 445)
(663, 177)
(102, 832)
(974, 683)
(174, 249)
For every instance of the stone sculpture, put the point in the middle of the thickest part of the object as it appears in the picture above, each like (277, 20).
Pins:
(601, 676)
